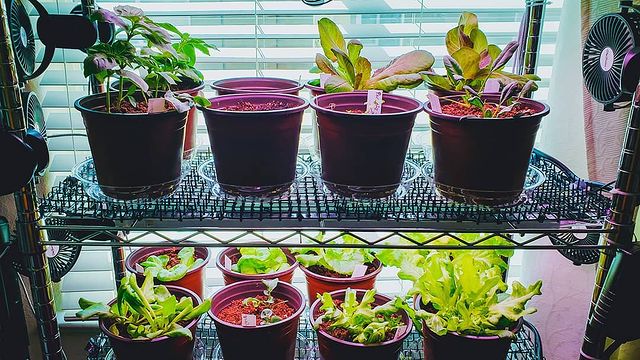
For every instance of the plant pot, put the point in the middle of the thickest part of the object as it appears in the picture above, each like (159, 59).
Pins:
(135, 155)
(315, 136)
(363, 155)
(253, 85)
(274, 341)
(332, 348)
(454, 346)
(483, 161)
(194, 280)
(231, 277)
(178, 348)
(315, 90)
(255, 152)
(319, 284)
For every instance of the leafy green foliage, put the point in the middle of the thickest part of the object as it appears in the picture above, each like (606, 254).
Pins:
(260, 261)
(463, 289)
(145, 312)
(350, 71)
(156, 265)
(343, 260)
(366, 324)
(266, 316)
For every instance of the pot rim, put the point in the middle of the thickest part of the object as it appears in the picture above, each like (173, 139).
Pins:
(518, 327)
(295, 85)
(344, 280)
(77, 104)
(291, 268)
(301, 107)
(173, 290)
(406, 333)
(367, 117)
(544, 112)
(312, 87)
(293, 316)
(131, 267)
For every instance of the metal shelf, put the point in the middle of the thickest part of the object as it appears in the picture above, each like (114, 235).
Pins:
(527, 346)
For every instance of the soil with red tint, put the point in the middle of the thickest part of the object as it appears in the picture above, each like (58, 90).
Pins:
(249, 106)
(323, 271)
(461, 110)
(141, 108)
(354, 111)
(173, 257)
(343, 334)
(233, 313)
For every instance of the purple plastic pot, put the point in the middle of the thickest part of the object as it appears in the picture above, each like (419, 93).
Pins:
(483, 161)
(252, 85)
(454, 346)
(178, 348)
(194, 280)
(255, 152)
(362, 154)
(332, 348)
(315, 90)
(135, 155)
(231, 277)
(274, 341)
(319, 284)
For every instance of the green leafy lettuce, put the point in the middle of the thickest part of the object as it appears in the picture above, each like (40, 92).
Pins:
(340, 260)
(156, 265)
(260, 261)
(145, 312)
(463, 290)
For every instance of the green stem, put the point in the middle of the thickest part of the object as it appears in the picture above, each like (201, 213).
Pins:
(108, 95)
(121, 90)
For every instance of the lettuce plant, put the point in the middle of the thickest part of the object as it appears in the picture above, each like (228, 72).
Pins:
(341, 260)
(350, 71)
(156, 265)
(260, 261)
(145, 312)
(472, 60)
(463, 291)
(366, 324)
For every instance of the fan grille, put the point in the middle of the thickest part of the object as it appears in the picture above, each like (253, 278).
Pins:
(34, 114)
(22, 38)
(610, 39)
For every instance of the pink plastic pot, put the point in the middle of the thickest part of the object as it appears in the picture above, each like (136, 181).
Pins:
(318, 284)
(252, 85)
(195, 280)
(315, 90)
(178, 348)
(332, 348)
(231, 277)
(274, 341)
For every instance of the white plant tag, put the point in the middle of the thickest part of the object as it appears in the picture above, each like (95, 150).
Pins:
(155, 105)
(374, 102)
(227, 262)
(323, 79)
(139, 268)
(248, 320)
(492, 86)
(359, 271)
(434, 101)
(400, 330)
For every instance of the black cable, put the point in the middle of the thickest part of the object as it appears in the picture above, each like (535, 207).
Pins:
(611, 349)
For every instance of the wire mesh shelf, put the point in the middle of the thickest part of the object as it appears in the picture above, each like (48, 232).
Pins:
(526, 346)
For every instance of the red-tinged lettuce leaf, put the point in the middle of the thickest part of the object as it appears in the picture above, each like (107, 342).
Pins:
(469, 22)
(324, 65)
(403, 71)
(469, 61)
(336, 84)
(330, 38)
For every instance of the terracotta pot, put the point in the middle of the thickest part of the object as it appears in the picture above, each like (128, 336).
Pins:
(470, 167)
(363, 154)
(332, 348)
(274, 341)
(178, 348)
(231, 277)
(254, 152)
(194, 280)
(135, 155)
(318, 284)
(253, 85)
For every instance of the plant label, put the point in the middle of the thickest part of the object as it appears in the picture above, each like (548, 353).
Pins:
(434, 101)
(359, 271)
(492, 86)
(227, 262)
(155, 105)
(248, 320)
(323, 79)
(139, 268)
(374, 102)
(400, 331)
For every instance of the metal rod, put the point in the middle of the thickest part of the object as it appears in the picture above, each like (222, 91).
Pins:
(28, 219)
(530, 37)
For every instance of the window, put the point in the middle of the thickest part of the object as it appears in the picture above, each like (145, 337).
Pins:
(271, 38)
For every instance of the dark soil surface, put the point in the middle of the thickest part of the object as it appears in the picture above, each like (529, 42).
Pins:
(248, 106)
(323, 271)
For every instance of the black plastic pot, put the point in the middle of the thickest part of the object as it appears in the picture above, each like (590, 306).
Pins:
(174, 348)
(483, 161)
(254, 152)
(363, 154)
(135, 155)
(274, 341)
